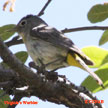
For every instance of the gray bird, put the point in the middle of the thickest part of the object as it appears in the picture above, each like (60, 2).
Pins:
(47, 44)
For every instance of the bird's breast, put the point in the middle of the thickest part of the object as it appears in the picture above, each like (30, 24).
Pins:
(45, 51)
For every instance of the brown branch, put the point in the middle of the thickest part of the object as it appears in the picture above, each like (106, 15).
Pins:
(43, 9)
(9, 80)
(14, 41)
(59, 91)
(66, 30)
(14, 63)
(5, 84)
(6, 74)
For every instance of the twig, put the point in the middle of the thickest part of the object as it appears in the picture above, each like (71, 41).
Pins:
(14, 41)
(43, 9)
(66, 30)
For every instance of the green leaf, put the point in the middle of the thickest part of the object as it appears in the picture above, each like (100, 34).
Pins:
(91, 84)
(23, 55)
(104, 38)
(98, 13)
(3, 99)
(5, 33)
(98, 55)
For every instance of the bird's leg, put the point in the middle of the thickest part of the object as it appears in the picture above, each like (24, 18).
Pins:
(40, 69)
(42, 66)
(50, 75)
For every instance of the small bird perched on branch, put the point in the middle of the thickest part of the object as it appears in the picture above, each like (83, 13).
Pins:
(47, 44)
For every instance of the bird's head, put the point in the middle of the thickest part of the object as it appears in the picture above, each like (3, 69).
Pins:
(28, 23)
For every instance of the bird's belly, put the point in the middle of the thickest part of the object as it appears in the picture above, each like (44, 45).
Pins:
(46, 52)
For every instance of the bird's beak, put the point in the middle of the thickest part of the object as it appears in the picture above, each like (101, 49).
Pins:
(14, 29)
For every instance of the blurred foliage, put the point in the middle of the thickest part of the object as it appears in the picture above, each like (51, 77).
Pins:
(6, 31)
(100, 58)
(98, 13)
(91, 84)
(98, 55)
(4, 98)
(104, 38)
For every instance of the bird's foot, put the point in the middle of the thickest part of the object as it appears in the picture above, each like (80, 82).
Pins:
(40, 69)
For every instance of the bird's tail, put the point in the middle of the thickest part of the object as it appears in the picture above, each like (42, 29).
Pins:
(75, 60)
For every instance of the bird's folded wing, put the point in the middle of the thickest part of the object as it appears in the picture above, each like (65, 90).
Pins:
(55, 37)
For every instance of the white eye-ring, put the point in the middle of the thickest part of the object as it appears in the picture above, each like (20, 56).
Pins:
(23, 23)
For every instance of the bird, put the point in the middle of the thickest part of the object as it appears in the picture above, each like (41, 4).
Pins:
(49, 46)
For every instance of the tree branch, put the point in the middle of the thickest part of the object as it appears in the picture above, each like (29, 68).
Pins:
(66, 30)
(14, 41)
(6, 74)
(16, 65)
(43, 9)
(59, 91)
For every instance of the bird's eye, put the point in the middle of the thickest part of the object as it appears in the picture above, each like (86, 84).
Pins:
(23, 23)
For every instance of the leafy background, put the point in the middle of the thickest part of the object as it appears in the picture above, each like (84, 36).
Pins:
(69, 14)
(98, 13)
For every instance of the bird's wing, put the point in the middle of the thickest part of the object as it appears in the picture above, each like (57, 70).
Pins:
(57, 38)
